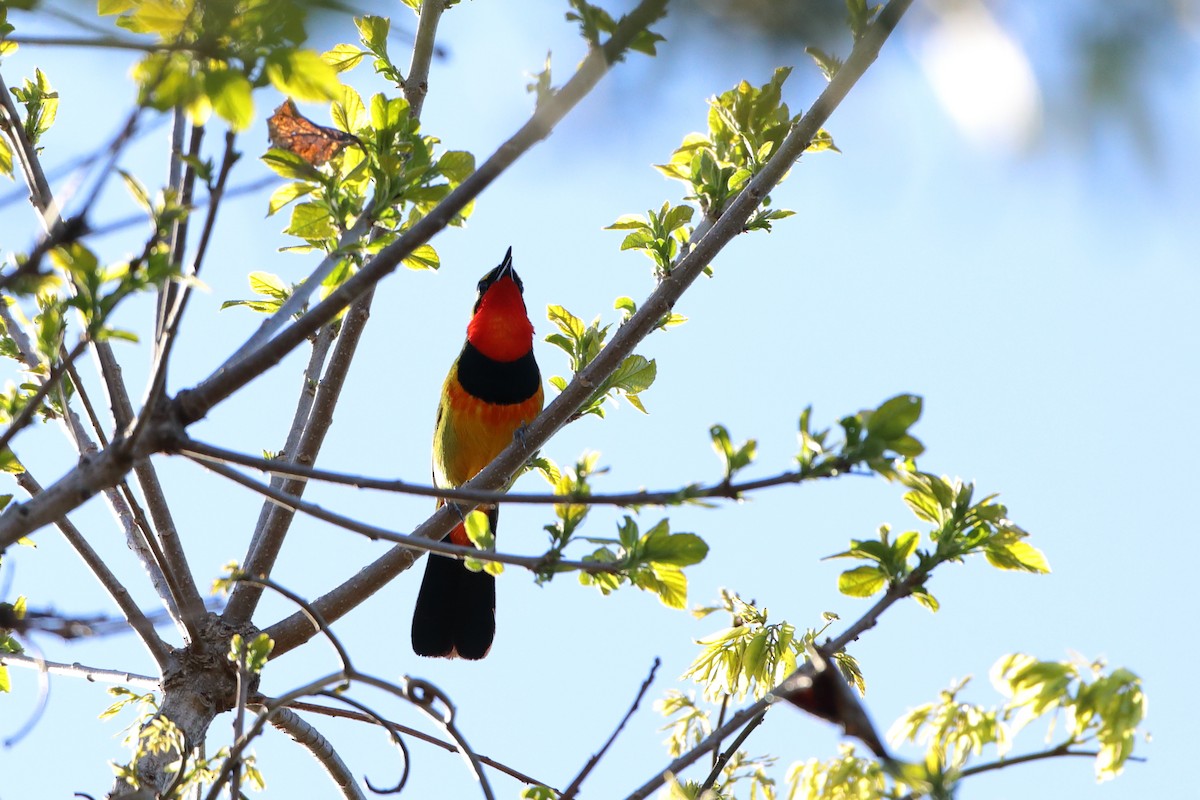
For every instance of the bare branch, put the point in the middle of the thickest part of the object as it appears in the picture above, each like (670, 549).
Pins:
(414, 542)
(308, 737)
(573, 789)
(425, 737)
(268, 540)
(116, 590)
(643, 497)
(721, 760)
(77, 670)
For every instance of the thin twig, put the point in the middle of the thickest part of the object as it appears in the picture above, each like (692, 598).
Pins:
(116, 590)
(417, 544)
(573, 789)
(643, 497)
(57, 370)
(425, 737)
(268, 540)
(1054, 752)
(723, 759)
(77, 670)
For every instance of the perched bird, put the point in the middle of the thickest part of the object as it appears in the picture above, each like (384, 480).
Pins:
(493, 389)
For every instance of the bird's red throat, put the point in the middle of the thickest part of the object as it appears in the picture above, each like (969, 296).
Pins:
(501, 329)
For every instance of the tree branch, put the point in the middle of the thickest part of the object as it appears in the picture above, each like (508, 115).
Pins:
(268, 538)
(425, 737)
(723, 759)
(308, 737)
(573, 789)
(77, 670)
(195, 403)
(643, 497)
(414, 543)
(116, 590)
(731, 223)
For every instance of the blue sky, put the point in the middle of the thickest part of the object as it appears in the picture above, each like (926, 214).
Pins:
(1042, 302)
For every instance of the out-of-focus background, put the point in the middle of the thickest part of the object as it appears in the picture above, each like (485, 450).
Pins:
(1010, 231)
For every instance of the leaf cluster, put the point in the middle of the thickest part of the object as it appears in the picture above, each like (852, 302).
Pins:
(652, 561)
(874, 438)
(1098, 706)
(216, 53)
(582, 343)
(746, 125)
(595, 21)
(962, 528)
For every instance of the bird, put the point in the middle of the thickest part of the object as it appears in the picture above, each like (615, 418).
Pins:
(493, 391)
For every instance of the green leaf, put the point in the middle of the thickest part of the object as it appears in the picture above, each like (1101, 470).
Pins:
(423, 257)
(456, 165)
(679, 549)
(893, 419)
(291, 166)
(343, 57)
(635, 375)
(1017, 555)
(374, 32)
(286, 194)
(6, 162)
(628, 222)
(164, 17)
(302, 75)
(669, 583)
(828, 64)
(312, 222)
(862, 581)
(229, 92)
(108, 7)
(265, 283)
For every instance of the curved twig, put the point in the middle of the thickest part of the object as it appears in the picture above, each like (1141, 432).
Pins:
(314, 616)
(43, 696)
(416, 734)
(393, 732)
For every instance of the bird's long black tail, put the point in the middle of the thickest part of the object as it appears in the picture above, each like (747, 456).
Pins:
(455, 615)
